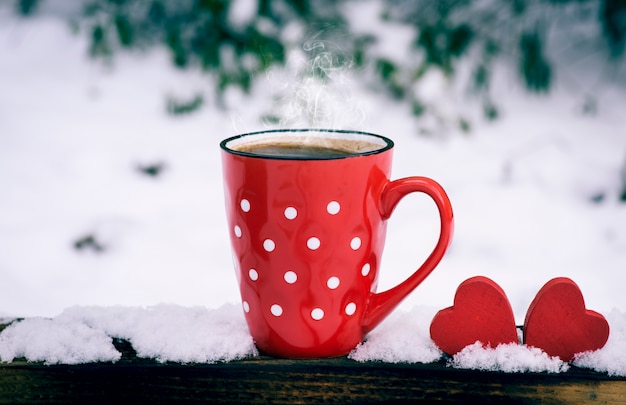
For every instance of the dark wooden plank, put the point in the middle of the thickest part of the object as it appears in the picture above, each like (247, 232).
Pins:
(271, 380)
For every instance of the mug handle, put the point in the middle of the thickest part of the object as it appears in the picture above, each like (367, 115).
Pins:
(381, 304)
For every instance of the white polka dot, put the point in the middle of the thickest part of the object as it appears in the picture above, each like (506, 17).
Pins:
(254, 275)
(237, 230)
(333, 283)
(350, 309)
(317, 314)
(365, 270)
(276, 310)
(355, 243)
(291, 212)
(333, 207)
(246, 306)
(313, 243)
(269, 245)
(245, 205)
(290, 277)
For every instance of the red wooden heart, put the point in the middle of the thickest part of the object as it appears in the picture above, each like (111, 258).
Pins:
(481, 312)
(558, 322)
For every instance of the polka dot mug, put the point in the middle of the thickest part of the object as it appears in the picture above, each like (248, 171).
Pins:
(307, 212)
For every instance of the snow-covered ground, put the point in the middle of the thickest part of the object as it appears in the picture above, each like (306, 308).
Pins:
(73, 133)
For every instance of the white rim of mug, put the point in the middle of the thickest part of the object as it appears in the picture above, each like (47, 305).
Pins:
(384, 142)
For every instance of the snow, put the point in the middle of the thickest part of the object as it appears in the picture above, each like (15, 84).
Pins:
(509, 358)
(55, 341)
(402, 337)
(163, 332)
(73, 132)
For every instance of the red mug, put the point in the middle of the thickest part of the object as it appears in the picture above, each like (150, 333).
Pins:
(307, 212)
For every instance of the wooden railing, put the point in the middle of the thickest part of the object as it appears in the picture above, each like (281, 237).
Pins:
(270, 380)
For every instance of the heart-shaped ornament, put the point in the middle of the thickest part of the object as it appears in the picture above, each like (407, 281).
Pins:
(481, 312)
(558, 322)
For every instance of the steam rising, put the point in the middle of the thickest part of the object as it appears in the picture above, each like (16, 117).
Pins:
(322, 94)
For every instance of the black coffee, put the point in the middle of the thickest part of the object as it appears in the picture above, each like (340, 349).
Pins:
(330, 149)
(294, 150)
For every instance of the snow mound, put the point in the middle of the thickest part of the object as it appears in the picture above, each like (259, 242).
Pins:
(510, 358)
(163, 332)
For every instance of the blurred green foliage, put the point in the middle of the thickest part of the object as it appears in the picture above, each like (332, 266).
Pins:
(534, 67)
(235, 46)
(200, 33)
(176, 106)
(26, 7)
(613, 21)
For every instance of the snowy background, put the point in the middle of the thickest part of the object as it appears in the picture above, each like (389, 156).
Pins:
(74, 133)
